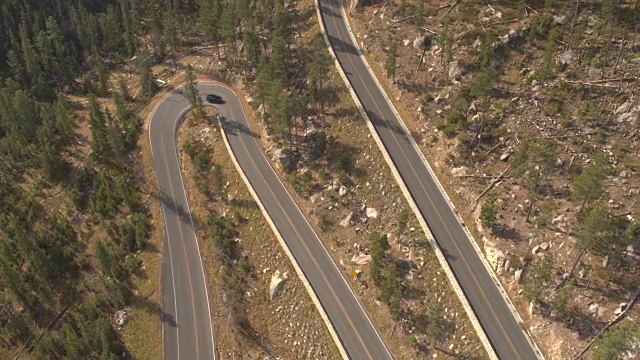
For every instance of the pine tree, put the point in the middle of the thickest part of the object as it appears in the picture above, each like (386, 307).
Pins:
(538, 277)
(588, 185)
(192, 94)
(391, 290)
(263, 82)
(391, 60)
(171, 32)
(98, 127)
(319, 65)
(435, 323)
(379, 246)
(148, 84)
(616, 342)
(535, 159)
(209, 15)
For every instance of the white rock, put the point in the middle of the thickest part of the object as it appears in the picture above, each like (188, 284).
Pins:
(621, 307)
(494, 256)
(276, 284)
(347, 220)
(517, 276)
(372, 213)
(361, 259)
(623, 108)
(455, 70)
(532, 307)
(459, 171)
(342, 191)
(122, 316)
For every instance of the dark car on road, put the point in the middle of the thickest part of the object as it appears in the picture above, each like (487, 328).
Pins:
(214, 99)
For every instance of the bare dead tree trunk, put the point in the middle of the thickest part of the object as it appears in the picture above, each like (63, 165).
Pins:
(615, 67)
(573, 22)
(573, 267)
(612, 322)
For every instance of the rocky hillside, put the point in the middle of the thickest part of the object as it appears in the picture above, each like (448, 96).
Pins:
(529, 110)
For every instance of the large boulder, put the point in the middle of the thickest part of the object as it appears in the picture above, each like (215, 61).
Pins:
(494, 256)
(422, 42)
(361, 259)
(356, 4)
(282, 157)
(455, 69)
(277, 282)
(566, 59)
(346, 222)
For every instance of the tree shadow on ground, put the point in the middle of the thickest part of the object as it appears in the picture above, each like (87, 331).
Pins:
(585, 325)
(414, 86)
(244, 203)
(506, 232)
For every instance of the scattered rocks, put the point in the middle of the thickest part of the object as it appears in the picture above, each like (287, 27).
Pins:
(595, 73)
(282, 158)
(372, 213)
(582, 273)
(594, 309)
(122, 316)
(459, 171)
(77, 217)
(566, 59)
(277, 283)
(560, 20)
(621, 307)
(422, 42)
(361, 259)
(623, 108)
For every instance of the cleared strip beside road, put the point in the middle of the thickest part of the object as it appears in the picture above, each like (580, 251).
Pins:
(493, 313)
(186, 316)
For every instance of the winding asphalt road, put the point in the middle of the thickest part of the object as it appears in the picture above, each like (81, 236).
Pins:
(187, 325)
(493, 313)
(186, 315)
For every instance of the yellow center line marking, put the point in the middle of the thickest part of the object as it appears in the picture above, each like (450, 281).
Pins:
(177, 213)
(464, 259)
(346, 314)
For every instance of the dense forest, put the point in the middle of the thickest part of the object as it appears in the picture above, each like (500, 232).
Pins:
(70, 230)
